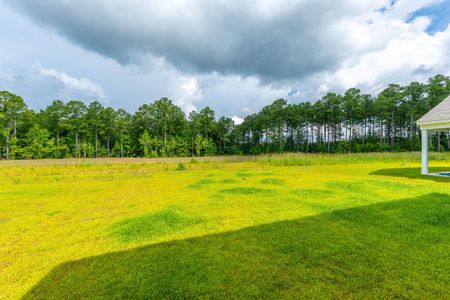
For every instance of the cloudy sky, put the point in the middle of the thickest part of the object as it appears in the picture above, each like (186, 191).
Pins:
(232, 55)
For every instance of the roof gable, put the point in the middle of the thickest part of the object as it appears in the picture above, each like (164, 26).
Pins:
(439, 114)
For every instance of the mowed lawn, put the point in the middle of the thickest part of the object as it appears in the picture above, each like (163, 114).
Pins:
(295, 226)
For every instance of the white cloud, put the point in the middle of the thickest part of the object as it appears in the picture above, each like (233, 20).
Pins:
(393, 51)
(237, 120)
(187, 93)
(236, 95)
(72, 83)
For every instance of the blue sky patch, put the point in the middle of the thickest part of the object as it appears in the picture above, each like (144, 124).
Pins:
(439, 14)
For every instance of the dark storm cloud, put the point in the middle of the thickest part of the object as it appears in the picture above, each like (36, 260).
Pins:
(299, 49)
(269, 39)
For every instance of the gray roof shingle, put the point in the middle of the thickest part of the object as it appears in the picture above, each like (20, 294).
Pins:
(439, 114)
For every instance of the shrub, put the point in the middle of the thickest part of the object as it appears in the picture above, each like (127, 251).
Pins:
(181, 167)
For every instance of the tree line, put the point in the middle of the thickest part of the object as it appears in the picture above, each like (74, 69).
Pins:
(351, 122)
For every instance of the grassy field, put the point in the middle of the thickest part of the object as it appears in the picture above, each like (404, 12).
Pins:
(293, 226)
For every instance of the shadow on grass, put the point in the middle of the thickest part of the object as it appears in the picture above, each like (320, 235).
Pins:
(397, 249)
(413, 173)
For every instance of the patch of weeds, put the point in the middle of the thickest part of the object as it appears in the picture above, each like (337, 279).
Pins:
(243, 174)
(53, 213)
(354, 187)
(309, 193)
(15, 180)
(194, 161)
(245, 191)
(216, 196)
(217, 200)
(273, 181)
(226, 181)
(29, 193)
(201, 183)
(153, 225)
(267, 174)
(57, 178)
(181, 167)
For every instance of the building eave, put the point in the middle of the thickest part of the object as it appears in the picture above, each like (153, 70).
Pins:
(435, 125)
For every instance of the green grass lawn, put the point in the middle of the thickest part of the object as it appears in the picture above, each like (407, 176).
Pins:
(293, 226)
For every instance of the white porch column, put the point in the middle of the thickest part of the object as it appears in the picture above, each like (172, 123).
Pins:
(424, 152)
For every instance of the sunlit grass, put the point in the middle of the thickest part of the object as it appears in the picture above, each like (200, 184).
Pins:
(52, 215)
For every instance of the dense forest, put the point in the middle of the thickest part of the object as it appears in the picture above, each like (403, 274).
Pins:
(352, 122)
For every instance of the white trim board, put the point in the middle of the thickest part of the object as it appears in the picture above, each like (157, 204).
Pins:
(435, 126)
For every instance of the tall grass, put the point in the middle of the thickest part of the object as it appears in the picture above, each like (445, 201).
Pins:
(301, 159)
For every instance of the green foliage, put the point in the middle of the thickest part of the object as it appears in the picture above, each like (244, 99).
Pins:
(14, 148)
(38, 144)
(204, 146)
(86, 150)
(149, 144)
(352, 122)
